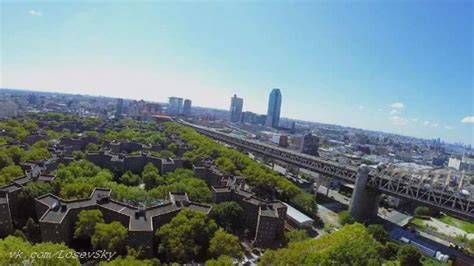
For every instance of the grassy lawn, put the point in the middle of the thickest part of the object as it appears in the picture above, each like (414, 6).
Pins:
(418, 221)
(421, 223)
(464, 225)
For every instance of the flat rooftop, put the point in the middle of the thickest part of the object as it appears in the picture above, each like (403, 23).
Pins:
(297, 216)
(138, 220)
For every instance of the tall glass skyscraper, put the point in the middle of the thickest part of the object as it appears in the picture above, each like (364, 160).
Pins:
(175, 106)
(187, 107)
(236, 105)
(274, 108)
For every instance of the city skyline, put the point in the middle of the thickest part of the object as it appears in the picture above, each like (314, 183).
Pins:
(413, 79)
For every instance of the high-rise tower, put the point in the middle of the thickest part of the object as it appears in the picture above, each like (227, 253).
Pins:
(175, 106)
(274, 108)
(187, 107)
(236, 105)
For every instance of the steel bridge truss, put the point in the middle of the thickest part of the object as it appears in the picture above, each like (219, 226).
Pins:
(414, 189)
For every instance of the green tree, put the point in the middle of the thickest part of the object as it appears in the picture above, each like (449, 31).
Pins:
(37, 151)
(12, 244)
(76, 190)
(226, 164)
(183, 180)
(32, 231)
(130, 261)
(221, 261)
(186, 237)
(296, 235)
(86, 222)
(345, 218)
(378, 233)
(16, 153)
(223, 243)
(389, 251)
(351, 245)
(151, 177)
(173, 147)
(227, 215)
(130, 179)
(7, 174)
(92, 147)
(422, 211)
(30, 191)
(5, 159)
(409, 256)
(18, 233)
(164, 154)
(470, 245)
(110, 236)
(305, 202)
(78, 155)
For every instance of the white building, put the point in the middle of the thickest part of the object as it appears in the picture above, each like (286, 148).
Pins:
(454, 163)
(465, 163)
(298, 218)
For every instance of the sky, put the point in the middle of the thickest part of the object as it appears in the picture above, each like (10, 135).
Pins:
(398, 66)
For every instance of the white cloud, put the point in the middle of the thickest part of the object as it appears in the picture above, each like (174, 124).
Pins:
(35, 13)
(361, 107)
(430, 124)
(468, 119)
(448, 127)
(394, 112)
(398, 121)
(414, 120)
(397, 105)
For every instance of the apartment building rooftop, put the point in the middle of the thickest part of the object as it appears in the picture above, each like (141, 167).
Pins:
(140, 218)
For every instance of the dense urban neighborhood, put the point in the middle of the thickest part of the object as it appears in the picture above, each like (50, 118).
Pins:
(116, 185)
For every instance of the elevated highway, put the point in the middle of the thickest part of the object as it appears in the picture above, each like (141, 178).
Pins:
(369, 184)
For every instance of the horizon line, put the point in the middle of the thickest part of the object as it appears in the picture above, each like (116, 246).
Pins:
(359, 128)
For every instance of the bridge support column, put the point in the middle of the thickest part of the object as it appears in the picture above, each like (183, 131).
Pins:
(365, 201)
(317, 184)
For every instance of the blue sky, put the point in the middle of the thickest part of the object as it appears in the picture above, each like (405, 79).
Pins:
(397, 66)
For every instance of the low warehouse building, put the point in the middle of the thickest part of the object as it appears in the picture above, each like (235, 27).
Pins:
(297, 218)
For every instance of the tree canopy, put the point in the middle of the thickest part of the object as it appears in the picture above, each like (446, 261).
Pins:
(9, 173)
(409, 256)
(186, 237)
(130, 179)
(296, 236)
(345, 218)
(265, 182)
(225, 244)
(86, 222)
(221, 261)
(351, 245)
(110, 236)
(378, 233)
(11, 245)
(422, 211)
(130, 261)
(227, 215)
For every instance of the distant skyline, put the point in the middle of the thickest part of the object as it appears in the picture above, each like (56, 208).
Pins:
(394, 66)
